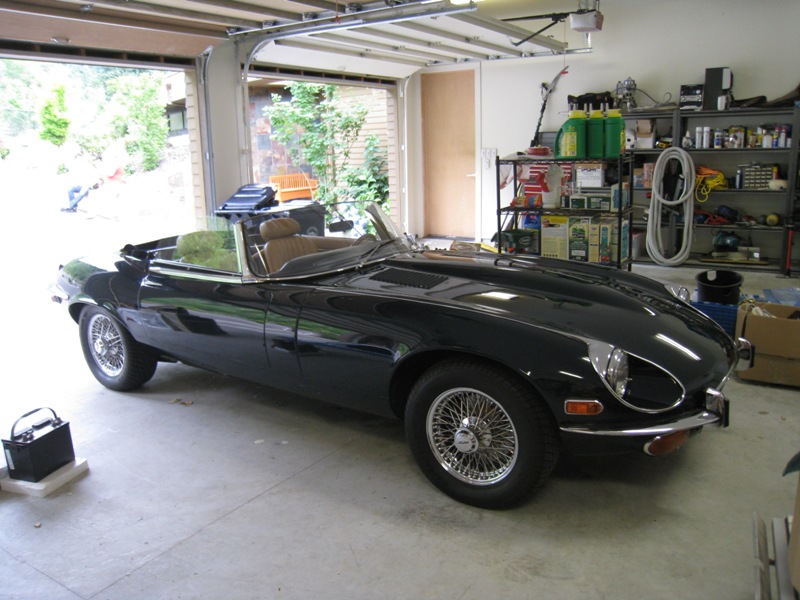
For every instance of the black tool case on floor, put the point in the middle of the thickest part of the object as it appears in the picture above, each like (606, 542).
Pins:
(38, 450)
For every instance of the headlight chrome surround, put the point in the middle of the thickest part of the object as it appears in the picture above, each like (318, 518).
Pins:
(614, 366)
(678, 291)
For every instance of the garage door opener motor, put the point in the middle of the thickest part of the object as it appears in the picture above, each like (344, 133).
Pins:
(40, 449)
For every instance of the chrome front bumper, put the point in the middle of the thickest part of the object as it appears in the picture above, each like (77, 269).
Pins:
(717, 410)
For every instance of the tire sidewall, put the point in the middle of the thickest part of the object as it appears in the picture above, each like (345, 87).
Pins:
(136, 368)
(529, 422)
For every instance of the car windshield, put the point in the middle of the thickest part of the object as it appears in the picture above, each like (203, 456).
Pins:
(290, 240)
(307, 238)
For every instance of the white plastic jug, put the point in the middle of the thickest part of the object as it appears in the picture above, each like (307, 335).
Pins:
(551, 187)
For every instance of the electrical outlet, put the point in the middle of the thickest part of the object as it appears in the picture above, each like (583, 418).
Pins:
(487, 157)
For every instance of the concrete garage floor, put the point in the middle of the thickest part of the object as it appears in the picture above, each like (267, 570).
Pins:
(202, 486)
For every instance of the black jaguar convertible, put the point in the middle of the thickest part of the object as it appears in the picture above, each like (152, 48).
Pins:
(497, 363)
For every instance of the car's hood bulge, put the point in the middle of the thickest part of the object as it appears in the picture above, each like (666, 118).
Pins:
(576, 299)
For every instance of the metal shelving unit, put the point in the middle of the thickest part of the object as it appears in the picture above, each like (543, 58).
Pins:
(751, 201)
(621, 214)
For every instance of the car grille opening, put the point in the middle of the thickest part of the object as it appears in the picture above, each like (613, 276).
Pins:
(652, 389)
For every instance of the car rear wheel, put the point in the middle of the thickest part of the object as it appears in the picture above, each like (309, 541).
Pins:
(114, 357)
(479, 435)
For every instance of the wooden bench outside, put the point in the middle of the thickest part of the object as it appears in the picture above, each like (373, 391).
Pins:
(291, 187)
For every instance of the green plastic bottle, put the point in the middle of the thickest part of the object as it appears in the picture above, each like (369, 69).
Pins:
(571, 138)
(615, 133)
(595, 135)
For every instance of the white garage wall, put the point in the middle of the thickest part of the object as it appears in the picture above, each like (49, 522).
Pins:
(661, 44)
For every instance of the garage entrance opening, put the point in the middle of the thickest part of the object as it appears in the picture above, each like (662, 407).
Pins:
(114, 138)
(346, 150)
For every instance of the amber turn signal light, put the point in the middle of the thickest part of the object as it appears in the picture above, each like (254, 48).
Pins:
(661, 444)
(583, 407)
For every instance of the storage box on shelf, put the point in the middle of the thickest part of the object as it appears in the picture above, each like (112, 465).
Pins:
(747, 173)
(589, 222)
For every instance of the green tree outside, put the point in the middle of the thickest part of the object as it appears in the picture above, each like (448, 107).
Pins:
(141, 120)
(91, 106)
(19, 89)
(55, 124)
(369, 182)
(318, 130)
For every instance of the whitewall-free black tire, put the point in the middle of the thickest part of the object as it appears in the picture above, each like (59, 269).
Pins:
(480, 435)
(114, 357)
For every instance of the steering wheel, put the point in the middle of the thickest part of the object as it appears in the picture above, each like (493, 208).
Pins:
(363, 239)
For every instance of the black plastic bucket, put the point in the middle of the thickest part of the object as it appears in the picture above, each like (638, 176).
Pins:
(722, 287)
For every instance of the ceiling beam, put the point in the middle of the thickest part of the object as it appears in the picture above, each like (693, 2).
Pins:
(169, 11)
(310, 45)
(403, 39)
(357, 42)
(31, 11)
(264, 12)
(352, 20)
(473, 41)
(510, 30)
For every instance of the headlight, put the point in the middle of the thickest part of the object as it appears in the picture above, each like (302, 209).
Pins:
(612, 365)
(617, 372)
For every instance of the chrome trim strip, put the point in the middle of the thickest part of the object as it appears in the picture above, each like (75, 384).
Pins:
(744, 359)
(693, 422)
(194, 274)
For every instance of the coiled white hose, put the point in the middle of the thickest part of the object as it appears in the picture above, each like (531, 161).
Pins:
(655, 244)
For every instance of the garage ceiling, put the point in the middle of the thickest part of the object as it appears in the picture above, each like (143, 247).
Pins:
(388, 38)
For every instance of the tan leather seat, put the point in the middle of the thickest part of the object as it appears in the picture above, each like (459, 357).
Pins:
(283, 242)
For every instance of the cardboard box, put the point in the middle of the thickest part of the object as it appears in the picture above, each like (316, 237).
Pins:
(579, 202)
(605, 200)
(608, 233)
(638, 177)
(777, 356)
(645, 134)
(583, 240)
(647, 174)
(599, 201)
(533, 223)
(555, 236)
(590, 174)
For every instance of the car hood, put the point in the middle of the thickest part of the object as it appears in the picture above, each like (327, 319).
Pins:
(580, 300)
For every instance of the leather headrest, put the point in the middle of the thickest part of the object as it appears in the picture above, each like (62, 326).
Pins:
(278, 228)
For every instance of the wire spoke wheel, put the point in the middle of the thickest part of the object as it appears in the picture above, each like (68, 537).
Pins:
(107, 348)
(114, 357)
(472, 436)
(480, 434)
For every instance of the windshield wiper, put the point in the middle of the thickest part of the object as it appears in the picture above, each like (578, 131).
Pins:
(372, 252)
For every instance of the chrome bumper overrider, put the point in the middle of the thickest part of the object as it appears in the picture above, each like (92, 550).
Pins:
(745, 354)
(715, 413)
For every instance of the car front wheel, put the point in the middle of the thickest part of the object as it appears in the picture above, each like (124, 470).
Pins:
(479, 435)
(114, 357)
